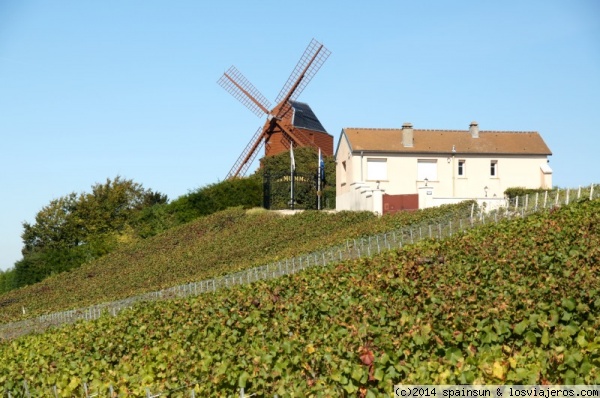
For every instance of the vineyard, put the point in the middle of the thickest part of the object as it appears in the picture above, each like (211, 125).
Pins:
(515, 302)
(215, 245)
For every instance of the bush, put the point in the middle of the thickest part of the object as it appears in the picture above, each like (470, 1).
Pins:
(522, 191)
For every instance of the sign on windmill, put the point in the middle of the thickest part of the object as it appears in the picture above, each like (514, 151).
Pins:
(289, 122)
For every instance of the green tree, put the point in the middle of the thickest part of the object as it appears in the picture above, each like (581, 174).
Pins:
(54, 226)
(76, 228)
(7, 280)
(244, 191)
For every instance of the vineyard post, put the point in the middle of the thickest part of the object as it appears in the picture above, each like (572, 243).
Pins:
(516, 202)
(537, 195)
(430, 231)
(545, 198)
(567, 199)
(26, 387)
(450, 225)
(579, 192)
(557, 196)
(440, 230)
(526, 202)
(55, 391)
(592, 192)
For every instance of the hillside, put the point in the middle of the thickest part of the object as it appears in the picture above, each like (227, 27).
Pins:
(221, 243)
(509, 303)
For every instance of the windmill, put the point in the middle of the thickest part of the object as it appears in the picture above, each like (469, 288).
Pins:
(289, 122)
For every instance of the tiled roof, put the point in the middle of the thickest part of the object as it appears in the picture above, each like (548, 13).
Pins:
(305, 118)
(443, 141)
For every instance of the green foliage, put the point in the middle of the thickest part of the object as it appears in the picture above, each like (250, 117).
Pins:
(7, 280)
(245, 192)
(509, 303)
(77, 228)
(210, 246)
(521, 191)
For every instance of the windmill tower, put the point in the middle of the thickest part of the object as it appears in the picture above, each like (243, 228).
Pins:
(289, 121)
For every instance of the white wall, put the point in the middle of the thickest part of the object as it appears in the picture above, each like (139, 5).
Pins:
(512, 171)
(487, 203)
(360, 197)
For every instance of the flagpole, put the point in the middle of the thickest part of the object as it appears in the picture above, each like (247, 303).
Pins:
(319, 183)
(292, 168)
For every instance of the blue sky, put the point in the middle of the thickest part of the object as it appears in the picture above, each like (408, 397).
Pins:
(92, 90)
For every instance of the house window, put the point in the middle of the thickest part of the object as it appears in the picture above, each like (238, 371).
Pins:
(343, 182)
(494, 168)
(461, 168)
(377, 169)
(427, 169)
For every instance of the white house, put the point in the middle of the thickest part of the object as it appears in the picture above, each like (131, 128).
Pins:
(385, 170)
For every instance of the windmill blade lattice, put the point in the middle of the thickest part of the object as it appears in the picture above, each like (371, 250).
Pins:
(237, 85)
(247, 156)
(311, 61)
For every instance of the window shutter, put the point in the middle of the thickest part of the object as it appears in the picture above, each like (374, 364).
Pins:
(427, 169)
(377, 169)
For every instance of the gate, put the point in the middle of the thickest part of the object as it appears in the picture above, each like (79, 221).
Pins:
(276, 191)
(395, 203)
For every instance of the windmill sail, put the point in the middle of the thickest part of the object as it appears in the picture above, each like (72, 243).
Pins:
(237, 85)
(280, 127)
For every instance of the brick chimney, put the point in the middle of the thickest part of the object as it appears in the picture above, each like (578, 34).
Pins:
(407, 135)
(474, 129)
